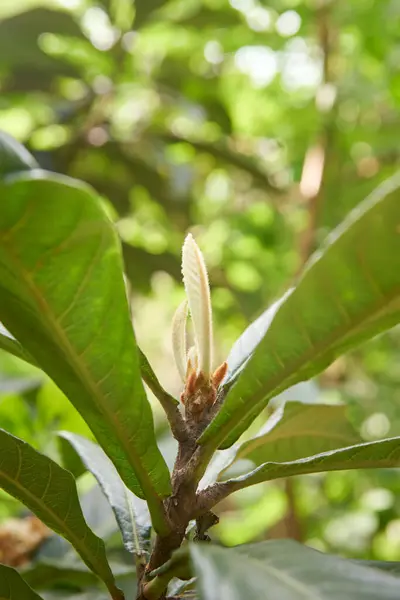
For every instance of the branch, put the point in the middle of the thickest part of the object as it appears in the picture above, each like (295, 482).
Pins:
(212, 495)
(169, 404)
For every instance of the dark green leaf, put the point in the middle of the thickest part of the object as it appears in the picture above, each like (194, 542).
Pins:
(371, 455)
(13, 156)
(31, 66)
(13, 587)
(245, 345)
(12, 346)
(63, 298)
(66, 573)
(297, 430)
(50, 492)
(44, 575)
(349, 292)
(285, 570)
(131, 513)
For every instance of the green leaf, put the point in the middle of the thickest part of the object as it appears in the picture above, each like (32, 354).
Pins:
(33, 68)
(286, 570)
(349, 292)
(245, 345)
(371, 455)
(12, 346)
(13, 587)
(62, 296)
(13, 156)
(131, 513)
(50, 492)
(66, 573)
(297, 430)
(44, 575)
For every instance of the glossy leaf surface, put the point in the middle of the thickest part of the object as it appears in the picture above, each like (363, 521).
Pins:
(349, 292)
(62, 296)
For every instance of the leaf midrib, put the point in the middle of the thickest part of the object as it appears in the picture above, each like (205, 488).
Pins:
(252, 477)
(132, 520)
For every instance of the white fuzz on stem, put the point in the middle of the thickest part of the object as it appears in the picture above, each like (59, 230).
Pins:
(179, 338)
(197, 289)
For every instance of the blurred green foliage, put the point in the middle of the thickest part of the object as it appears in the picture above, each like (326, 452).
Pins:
(256, 124)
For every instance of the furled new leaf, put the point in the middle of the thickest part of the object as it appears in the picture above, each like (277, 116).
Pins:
(286, 570)
(49, 491)
(349, 292)
(130, 512)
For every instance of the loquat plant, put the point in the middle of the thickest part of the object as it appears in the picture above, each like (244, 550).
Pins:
(64, 308)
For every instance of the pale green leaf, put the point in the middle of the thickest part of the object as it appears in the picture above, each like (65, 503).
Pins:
(130, 512)
(286, 570)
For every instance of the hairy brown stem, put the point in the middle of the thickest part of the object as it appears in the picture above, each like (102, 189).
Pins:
(184, 504)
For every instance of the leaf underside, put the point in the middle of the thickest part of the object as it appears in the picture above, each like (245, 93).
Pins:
(130, 512)
(286, 570)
